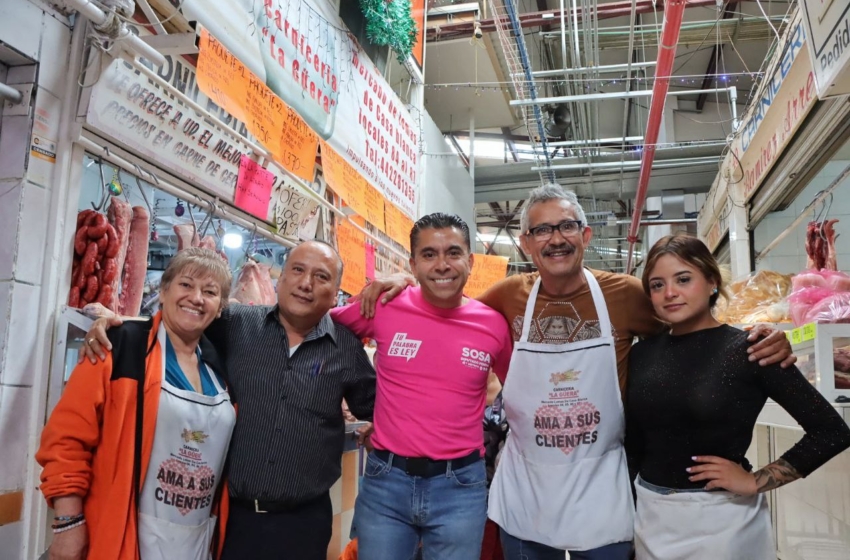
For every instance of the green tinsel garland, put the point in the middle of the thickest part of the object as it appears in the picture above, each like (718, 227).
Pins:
(390, 23)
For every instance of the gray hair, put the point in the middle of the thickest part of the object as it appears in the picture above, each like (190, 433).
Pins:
(545, 193)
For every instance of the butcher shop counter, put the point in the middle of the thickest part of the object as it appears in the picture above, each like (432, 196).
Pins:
(811, 516)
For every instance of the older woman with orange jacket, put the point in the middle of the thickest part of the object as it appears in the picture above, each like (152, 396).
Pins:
(129, 481)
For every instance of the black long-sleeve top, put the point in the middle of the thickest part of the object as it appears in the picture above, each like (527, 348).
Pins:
(698, 394)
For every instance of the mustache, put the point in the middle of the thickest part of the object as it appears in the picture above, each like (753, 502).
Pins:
(558, 248)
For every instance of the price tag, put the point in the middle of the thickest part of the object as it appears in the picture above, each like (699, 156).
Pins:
(808, 332)
(796, 336)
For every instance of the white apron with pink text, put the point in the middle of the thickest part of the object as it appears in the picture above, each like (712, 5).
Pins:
(562, 480)
(189, 448)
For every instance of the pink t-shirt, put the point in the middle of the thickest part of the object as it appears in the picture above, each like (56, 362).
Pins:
(432, 367)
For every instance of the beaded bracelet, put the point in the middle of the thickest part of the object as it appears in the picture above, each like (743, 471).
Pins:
(69, 527)
(68, 517)
(71, 521)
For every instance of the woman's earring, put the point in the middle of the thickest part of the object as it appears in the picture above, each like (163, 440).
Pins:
(714, 291)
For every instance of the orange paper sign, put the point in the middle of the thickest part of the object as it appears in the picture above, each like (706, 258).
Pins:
(225, 80)
(398, 225)
(344, 180)
(352, 248)
(486, 271)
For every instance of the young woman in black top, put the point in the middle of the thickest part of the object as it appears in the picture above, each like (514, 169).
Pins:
(692, 402)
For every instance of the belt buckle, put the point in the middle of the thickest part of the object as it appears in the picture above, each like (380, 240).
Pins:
(417, 466)
(257, 507)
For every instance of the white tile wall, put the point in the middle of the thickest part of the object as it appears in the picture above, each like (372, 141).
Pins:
(55, 50)
(13, 146)
(11, 544)
(18, 19)
(14, 435)
(18, 360)
(790, 255)
(32, 238)
(5, 309)
(11, 192)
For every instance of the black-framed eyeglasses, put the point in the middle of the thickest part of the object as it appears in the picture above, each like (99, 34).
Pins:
(545, 231)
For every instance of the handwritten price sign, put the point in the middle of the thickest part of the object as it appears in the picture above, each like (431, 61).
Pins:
(351, 244)
(224, 79)
(486, 271)
(253, 188)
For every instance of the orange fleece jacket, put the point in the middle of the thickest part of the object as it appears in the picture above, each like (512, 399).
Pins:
(87, 451)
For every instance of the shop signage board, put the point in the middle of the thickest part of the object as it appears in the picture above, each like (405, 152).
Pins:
(303, 53)
(767, 128)
(486, 271)
(127, 106)
(828, 27)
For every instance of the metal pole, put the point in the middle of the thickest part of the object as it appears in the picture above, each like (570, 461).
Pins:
(568, 143)
(605, 69)
(99, 17)
(11, 94)
(631, 163)
(610, 95)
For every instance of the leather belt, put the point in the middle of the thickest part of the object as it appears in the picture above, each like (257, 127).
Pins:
(423, 466)
(267, 506)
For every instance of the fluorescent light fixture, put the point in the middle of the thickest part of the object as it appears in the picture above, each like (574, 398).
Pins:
(232, 240)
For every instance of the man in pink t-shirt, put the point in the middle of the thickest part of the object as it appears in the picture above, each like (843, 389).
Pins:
(425, 481)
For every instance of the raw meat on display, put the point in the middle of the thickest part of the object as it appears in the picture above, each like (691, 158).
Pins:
(120, 215)
(186, 236)
(95, 250)
(254, 285)
(820, 245)
(135, 265)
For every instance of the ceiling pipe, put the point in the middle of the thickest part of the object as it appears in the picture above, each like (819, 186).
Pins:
(673, 12)
(566, 143)
(464, 29)
(604, 69)
(662, 164)
(613, 95)
(124, 36)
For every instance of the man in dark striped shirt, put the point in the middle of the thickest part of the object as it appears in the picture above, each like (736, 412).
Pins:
(289, 368)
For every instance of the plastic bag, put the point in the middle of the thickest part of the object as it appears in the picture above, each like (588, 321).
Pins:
(836, 281)
(832, 309)
(820, 296)
(758, 298)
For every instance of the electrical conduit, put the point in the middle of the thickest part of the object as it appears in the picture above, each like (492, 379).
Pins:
(673, 12)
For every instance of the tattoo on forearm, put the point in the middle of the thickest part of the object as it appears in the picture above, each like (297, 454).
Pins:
(775, 475)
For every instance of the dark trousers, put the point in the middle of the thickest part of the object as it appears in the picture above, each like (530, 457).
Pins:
(302, 533)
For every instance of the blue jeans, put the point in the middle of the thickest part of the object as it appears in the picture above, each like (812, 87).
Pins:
(518, 549)
(395, 511)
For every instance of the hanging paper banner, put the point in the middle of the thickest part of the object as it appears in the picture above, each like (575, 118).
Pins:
(225, 80)
(253, 188)
(343, 179)
(398, 225)
(351, 245)
(303, 52)
(486, 271)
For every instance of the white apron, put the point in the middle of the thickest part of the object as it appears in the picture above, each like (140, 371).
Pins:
(189, 448)
(702, 526)
(563, 480)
